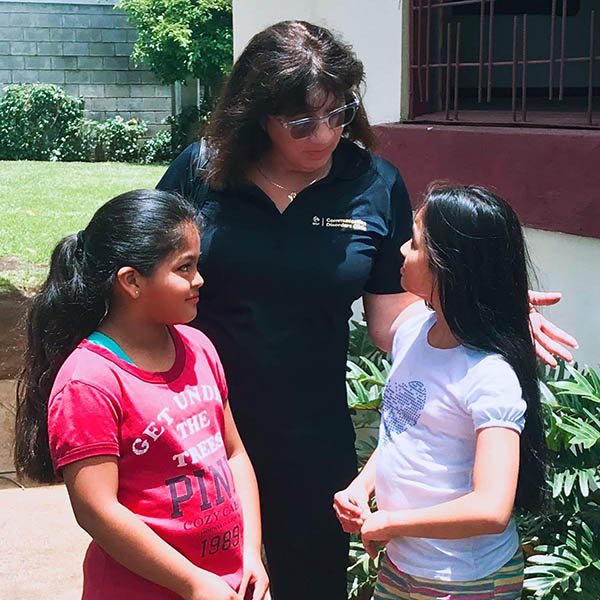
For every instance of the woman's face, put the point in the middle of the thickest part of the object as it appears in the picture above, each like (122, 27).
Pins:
(310, 153)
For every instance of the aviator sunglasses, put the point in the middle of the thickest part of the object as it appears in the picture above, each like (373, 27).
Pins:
(307, 126)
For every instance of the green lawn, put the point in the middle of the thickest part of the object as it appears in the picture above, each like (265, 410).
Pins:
(41, 202)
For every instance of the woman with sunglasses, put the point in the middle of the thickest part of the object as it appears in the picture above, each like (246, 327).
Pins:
(300, 220)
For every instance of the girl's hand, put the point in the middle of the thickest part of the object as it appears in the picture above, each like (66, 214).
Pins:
(548, 338)
(351, 508)
(255, 582)
(376, 528)
(209, 586)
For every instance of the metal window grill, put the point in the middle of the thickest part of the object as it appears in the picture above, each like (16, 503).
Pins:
(479, 62)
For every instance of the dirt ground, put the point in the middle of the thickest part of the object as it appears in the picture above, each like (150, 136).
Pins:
(13, 307)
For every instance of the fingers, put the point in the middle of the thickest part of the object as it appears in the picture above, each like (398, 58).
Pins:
(544, 298)
(558, 334)
(348, 511)
(261, 589)
(244, 584)
(371, 547)
(349, 515)
(349, 524)
(544, 355)
(552, 347)
(346, 504)
(549, 340)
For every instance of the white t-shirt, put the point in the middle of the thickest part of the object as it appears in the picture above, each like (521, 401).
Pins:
(433, 403)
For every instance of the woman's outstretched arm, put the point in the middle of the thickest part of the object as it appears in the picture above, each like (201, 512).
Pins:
(384, 312)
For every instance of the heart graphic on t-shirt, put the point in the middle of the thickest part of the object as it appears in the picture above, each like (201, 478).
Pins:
(403, 404)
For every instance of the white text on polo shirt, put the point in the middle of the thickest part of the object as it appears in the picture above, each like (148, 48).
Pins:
(355, 224)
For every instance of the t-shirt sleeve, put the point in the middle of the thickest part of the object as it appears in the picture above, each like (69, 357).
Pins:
(497, 399)
(385, 273)
(178, 177)
(82, 422)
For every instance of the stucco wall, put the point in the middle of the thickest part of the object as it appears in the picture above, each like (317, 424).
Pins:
(84, 47)
(570, 264)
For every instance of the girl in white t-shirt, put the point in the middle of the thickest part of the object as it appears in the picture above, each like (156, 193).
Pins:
(461, 437)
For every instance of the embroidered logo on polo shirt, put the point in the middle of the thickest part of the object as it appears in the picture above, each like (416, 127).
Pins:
(354, 224)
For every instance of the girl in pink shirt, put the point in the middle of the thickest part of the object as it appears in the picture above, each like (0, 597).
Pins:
(129, 408)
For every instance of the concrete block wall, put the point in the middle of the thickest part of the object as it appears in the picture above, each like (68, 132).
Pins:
(84, 47)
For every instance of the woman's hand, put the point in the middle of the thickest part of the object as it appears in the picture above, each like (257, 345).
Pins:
(376, 528)
(351, 506)
(548, 338)
(255, 582)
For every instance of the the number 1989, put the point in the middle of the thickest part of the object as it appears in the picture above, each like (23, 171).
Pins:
(225, 541)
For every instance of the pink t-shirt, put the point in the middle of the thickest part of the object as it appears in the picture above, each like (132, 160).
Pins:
(168, 431)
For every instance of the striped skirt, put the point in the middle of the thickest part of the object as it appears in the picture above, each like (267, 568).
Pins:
(504, 584)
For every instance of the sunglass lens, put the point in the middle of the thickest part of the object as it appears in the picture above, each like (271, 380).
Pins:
(342, 118)
(303, 130)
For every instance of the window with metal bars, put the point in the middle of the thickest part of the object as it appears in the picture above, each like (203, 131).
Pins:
(505, 62)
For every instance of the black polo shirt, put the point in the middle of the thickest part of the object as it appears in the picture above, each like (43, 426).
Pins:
(279, 288)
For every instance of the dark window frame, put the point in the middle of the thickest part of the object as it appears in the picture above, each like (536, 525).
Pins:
(436, 94)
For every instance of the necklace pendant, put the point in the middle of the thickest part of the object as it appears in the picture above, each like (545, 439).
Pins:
(292, 195)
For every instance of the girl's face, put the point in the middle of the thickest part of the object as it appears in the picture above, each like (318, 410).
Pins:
(170, 294)
(416, 273)
(310, 153)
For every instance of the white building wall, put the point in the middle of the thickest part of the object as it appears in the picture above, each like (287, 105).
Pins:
(571, 264)
(376, 30)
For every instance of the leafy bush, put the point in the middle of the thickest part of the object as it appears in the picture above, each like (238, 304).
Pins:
(157, 148)
(120, 140)
(82, 144)
(563, 543)
(40, 122)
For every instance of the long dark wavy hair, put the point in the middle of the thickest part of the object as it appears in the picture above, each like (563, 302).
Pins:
(478, 256)
(273, 76)
(137, 229)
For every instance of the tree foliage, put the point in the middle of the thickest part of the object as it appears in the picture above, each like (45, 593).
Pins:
(179, 38)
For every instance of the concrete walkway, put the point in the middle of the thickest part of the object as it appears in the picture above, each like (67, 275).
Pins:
(41, 545)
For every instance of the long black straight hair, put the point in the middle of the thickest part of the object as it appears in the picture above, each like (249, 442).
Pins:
(137, 229)
(479, 259)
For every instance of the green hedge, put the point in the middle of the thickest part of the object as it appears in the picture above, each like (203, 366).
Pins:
(42, 122)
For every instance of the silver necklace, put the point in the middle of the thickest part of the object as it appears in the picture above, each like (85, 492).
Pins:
(291, 193)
